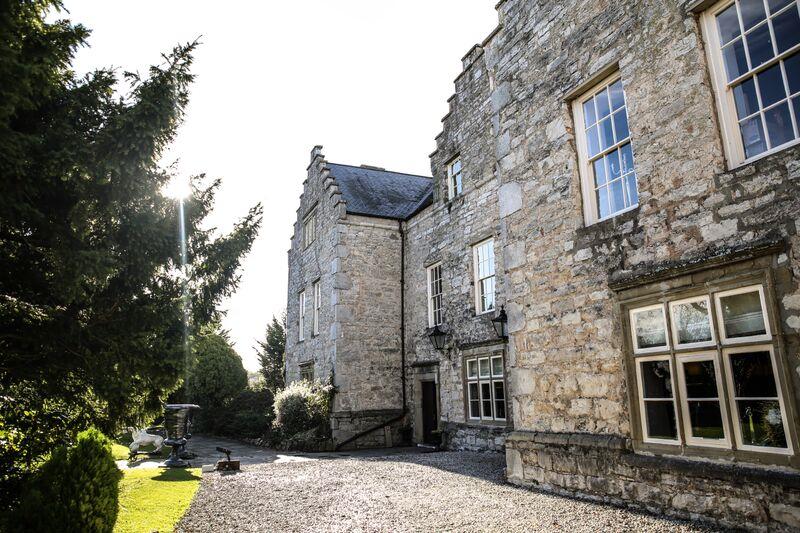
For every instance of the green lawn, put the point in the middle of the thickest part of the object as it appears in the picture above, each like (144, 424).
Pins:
(154, 499)
(119, 451)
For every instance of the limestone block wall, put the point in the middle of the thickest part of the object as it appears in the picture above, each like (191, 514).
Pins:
(445, 232)
(603, 468)
(566, 355)
(309, 264)
(367, 313)
(566, 350)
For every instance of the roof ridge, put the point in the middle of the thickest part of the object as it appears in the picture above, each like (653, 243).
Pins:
(372, 169)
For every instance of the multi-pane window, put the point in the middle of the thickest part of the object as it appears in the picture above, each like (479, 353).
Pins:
(435, 310)
(317, 306)
(309, 229)
(706, 382)
(606, 152)
(301, 320)
(307, 372)
(483, 257)
(454, 178)
(486, 392)
(753, 47)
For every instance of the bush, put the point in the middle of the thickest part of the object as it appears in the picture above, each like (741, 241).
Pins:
(302, 406)
(248, 415)
(76, 490)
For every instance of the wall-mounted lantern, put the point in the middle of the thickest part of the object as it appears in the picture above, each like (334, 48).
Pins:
(438, 337)
(500, 323)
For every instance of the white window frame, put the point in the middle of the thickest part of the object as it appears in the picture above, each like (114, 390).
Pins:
(632, 317)
(476, 381)
(753, 338)
(310, 228)
(301, 321)
(590, 210)
(687, 420)
(430, 271)
(455, 184)
(689, 345)
(489, 379)
(477, 279)
(779, 389)
(643, 412)
(317, 307)
(726, 106)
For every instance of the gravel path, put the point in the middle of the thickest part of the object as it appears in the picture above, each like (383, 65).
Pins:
(451, 491)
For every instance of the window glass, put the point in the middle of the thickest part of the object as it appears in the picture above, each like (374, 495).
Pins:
(499, 399)
(435, 306)
(755, 394)
(702, 399)
(742, 315)
(691, 321)
(650, 331)
(751, 37)
(609, 150)
(729, 396)
(472, 368)
(309, 229)
(486, 399)
(497, 366)
(485, 276)
(454, 185)
(474, 401)
(659, 405)
(484, 367)
(301, 323)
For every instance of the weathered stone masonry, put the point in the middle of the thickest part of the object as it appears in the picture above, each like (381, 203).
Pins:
(569, 380)
(700, 225)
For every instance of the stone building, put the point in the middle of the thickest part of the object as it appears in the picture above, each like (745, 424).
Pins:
(630, 170)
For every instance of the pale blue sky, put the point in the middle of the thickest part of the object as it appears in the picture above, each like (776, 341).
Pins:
(367, 79)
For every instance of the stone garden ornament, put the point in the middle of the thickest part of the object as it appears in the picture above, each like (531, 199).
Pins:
(141, 436)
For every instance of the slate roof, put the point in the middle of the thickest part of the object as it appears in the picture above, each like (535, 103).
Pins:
(382, 193)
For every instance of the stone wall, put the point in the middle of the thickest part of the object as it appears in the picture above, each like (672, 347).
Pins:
(367, 273)
(357, 261)
(445, 232)
(372, 428)
(567, 344)
(603, 468)
(308, 264)
(567, 349)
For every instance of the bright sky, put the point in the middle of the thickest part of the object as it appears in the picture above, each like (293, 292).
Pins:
(367, 79)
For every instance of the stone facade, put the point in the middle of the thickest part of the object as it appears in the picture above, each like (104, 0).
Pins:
(700, 224)
(356, 260)
(445, 233)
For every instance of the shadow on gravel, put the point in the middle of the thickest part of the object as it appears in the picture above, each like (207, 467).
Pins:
(490, 467)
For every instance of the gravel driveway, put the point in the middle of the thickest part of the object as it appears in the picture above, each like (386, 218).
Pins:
(450, 491)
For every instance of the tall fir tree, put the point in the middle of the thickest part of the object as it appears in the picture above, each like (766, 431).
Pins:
(91, 294)
(271, 354)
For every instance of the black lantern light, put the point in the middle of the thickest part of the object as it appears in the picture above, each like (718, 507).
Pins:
(500, 323)
(437, 337)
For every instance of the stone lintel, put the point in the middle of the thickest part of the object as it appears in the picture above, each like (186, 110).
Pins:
(643, 275)
(420, 364)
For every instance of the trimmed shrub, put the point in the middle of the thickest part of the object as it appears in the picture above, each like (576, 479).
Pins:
(76, 490)
(248, 415)
(302, 406)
